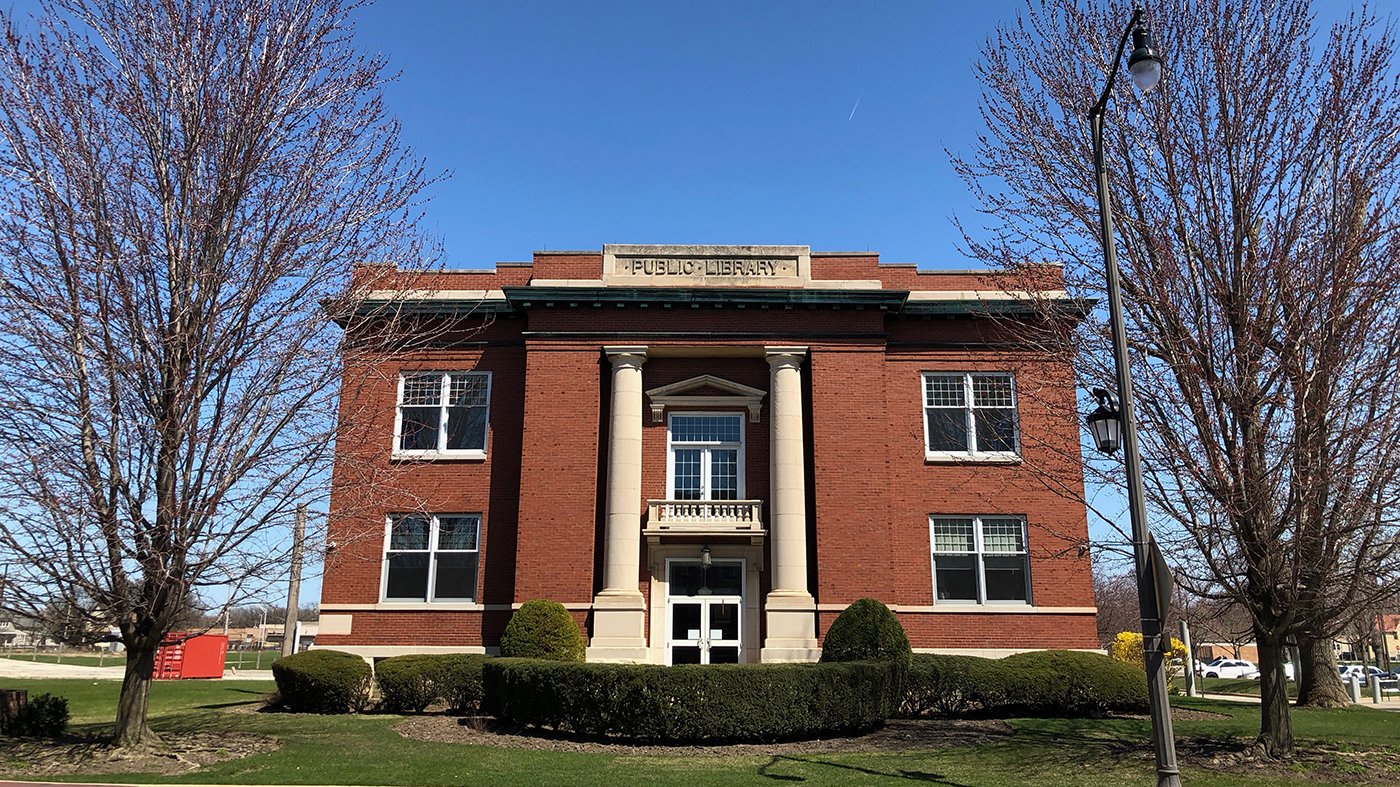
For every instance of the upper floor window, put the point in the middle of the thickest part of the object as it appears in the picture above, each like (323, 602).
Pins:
(706, 457)
(432, 558)
(443, 412)
(970, 414)
(980, 559)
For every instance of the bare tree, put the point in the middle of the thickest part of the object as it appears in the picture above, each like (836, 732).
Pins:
(184, 190)
(1257, 205)
(1115, 598)
(1217, 621)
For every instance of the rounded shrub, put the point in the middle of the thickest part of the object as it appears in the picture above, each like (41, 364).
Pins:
(866, 631)
(542, 629)
(42, 716)
(322, 681)
(409, 684)
(691, 703)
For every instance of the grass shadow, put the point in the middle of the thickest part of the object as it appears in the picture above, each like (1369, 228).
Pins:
(219, 705)
(918, 776)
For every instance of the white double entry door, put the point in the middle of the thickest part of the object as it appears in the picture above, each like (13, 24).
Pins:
(704, 612)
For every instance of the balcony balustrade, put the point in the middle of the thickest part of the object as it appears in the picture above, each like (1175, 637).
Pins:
(705, 518)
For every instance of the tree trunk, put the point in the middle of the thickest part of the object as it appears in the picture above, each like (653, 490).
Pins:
(132, 730)
(1319, 685)
(1275, 725)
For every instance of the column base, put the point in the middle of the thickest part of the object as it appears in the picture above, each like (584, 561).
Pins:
(619, 628)
(792, 627)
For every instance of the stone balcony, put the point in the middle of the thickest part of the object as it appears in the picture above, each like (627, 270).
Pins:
(704, 518)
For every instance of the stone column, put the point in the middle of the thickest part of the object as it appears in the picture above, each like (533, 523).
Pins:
(790, 611)
(619, 613)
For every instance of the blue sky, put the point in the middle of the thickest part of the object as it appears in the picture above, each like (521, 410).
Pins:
(574, 125)
(570, 125)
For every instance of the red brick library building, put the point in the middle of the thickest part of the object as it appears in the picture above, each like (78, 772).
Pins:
(705, 453)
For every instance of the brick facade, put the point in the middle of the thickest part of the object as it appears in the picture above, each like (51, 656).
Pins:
(868, 332)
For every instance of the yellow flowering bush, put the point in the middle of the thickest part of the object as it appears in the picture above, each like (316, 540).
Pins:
(1127, 648)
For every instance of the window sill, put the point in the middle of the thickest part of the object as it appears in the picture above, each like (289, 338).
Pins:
(964, 458)
(389, 605)
(973, 606)
(438, 456)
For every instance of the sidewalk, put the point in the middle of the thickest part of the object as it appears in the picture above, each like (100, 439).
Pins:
(1389, 702)
(16, 668)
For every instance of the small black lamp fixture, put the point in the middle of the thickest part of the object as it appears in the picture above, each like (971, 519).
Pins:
(1104, 423)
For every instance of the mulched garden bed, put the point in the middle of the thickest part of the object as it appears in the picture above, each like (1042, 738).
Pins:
(30, 758)
(1320, 761)
(897, 735)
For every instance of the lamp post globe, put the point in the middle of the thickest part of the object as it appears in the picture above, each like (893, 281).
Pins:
(1144, 63)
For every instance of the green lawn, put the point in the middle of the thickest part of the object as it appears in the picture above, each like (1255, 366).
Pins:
(366, 750)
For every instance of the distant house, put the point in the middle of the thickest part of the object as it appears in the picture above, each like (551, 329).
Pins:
(21, 635)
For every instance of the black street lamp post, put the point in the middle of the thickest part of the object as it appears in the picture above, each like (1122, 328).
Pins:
(1146, 68)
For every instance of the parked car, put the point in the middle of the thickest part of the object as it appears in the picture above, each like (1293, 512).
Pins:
(1230, 668)
(1363, 673)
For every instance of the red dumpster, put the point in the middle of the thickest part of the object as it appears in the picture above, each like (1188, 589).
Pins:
(184, 656)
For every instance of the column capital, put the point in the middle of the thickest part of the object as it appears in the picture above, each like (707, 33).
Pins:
(626, 354)
(785, 356)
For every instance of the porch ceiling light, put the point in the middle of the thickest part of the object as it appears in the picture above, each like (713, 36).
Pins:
(704, 571)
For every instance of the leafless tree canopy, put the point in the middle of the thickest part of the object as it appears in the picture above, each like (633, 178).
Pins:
(184, 189)
(1256, 201)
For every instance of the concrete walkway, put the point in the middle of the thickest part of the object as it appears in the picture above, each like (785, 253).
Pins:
(17, 668)
(1389, 702)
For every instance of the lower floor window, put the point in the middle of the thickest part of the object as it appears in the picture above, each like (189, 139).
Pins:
(432, 557)
(981, 559)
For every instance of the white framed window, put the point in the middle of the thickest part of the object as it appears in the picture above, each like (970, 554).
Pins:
(970, 415)
(431, 557)
(442, 414)
(706, 456)
(980, 559)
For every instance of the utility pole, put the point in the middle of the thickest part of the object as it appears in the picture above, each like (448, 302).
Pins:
(289, 644)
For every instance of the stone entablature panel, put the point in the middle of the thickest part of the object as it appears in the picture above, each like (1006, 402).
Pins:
(629, 265)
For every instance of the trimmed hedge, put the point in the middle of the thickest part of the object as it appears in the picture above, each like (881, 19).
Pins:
(689, 703)
(1075, 683)
(866, 631)
(953, 685)
(542, 629)
(322, 681)
(408, 684)
(1040, 683)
